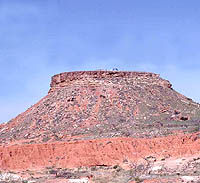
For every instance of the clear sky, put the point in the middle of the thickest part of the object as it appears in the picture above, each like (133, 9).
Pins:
(40, 38)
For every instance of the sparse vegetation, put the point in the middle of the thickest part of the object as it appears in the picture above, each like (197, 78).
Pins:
(102, 104)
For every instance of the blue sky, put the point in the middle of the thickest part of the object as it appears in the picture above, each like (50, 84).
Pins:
(40, 38)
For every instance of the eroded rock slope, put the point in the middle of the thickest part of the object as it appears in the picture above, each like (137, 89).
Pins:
(130, 125)
(95, 104)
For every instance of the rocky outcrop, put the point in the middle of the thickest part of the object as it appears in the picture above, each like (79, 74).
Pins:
(96, 78)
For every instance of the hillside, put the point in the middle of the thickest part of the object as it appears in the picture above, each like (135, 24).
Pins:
(103, 119)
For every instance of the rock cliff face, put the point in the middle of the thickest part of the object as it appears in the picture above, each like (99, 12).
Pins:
(96, 78)
(101, 118)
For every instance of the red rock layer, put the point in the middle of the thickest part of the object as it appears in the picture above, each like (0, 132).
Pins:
(95, 152)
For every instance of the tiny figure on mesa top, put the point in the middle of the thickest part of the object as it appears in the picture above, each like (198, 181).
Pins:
(115, 69)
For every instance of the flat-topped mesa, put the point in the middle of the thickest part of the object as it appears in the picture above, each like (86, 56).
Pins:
(90, 104)
(88, 78)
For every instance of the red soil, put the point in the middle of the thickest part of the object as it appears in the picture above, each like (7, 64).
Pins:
(95, 152)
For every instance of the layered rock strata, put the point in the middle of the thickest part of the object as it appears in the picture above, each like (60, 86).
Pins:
(104, 119)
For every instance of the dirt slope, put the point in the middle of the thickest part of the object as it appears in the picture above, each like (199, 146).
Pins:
(105, 152)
